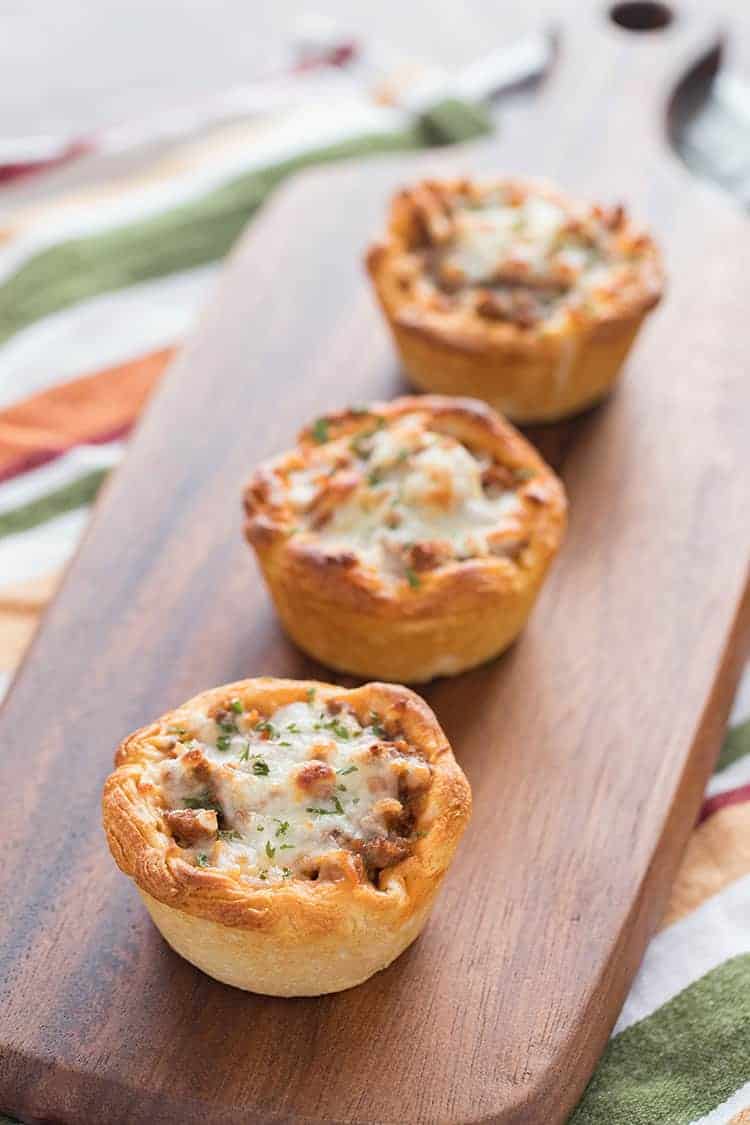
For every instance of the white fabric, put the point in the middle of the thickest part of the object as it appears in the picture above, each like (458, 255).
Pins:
(42, 550)
(56, 474)
(102, 332)
(688, 949)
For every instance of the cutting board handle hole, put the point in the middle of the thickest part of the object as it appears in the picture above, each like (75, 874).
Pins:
(641, 15)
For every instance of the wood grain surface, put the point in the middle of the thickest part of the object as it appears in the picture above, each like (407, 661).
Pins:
(587, 745)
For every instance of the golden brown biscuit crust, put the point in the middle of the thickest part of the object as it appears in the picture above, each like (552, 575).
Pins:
(502, 351)
(462, 612)
(297, 937)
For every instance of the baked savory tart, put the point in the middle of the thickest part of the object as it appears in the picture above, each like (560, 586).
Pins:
(509, 292)
(406, 540)
(288, 837)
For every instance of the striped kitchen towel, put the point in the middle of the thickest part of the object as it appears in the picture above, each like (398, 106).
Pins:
(97, 289)
(680, 1051)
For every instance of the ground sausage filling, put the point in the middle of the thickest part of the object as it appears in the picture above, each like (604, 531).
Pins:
(307, 792)
(402, 498)
(519, 254)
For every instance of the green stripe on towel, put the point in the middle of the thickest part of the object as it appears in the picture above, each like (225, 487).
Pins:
(679, 1063)
(76, 494)
(193, 233)
(736, 746)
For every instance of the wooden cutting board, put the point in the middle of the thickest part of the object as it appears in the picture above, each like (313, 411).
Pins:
(587, 746)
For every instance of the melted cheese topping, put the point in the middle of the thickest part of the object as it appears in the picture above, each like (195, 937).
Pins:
(285, 796)
(537, 258)
(487, 237)
(397, 487)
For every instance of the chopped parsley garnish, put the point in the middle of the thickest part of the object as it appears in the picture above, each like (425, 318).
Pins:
(263, 875)
(310, 694)
(338, 808)
(285, 744)
(377, 726)
(349, 769)
(260, 767)
(286, 872)
(181, 732)
(339, 729)
(292, 728)
(283, 827)
(201, 860)
(359, 446)
(320, 430)
(266, 728)
(342, 788)
(223, 741)
(227, 724)
(261, 828)
(229, 834)
(245, 753)
(236, 706)
(270, 849)
(413, 578)
(357, 443)
(286, 847)
(204, 801)
(374, 478)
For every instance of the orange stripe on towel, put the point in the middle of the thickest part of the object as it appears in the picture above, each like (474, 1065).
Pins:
(717, 854)
(21, 606)
(92, 409)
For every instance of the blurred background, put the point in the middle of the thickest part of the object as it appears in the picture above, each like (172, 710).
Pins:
(73, 71)
(77, 64)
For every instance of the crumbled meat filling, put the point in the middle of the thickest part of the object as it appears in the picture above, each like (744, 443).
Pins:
(403, 498)
(316, 778)
(308, 792)
(192, 826)
(383, 851)
(516, 253)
